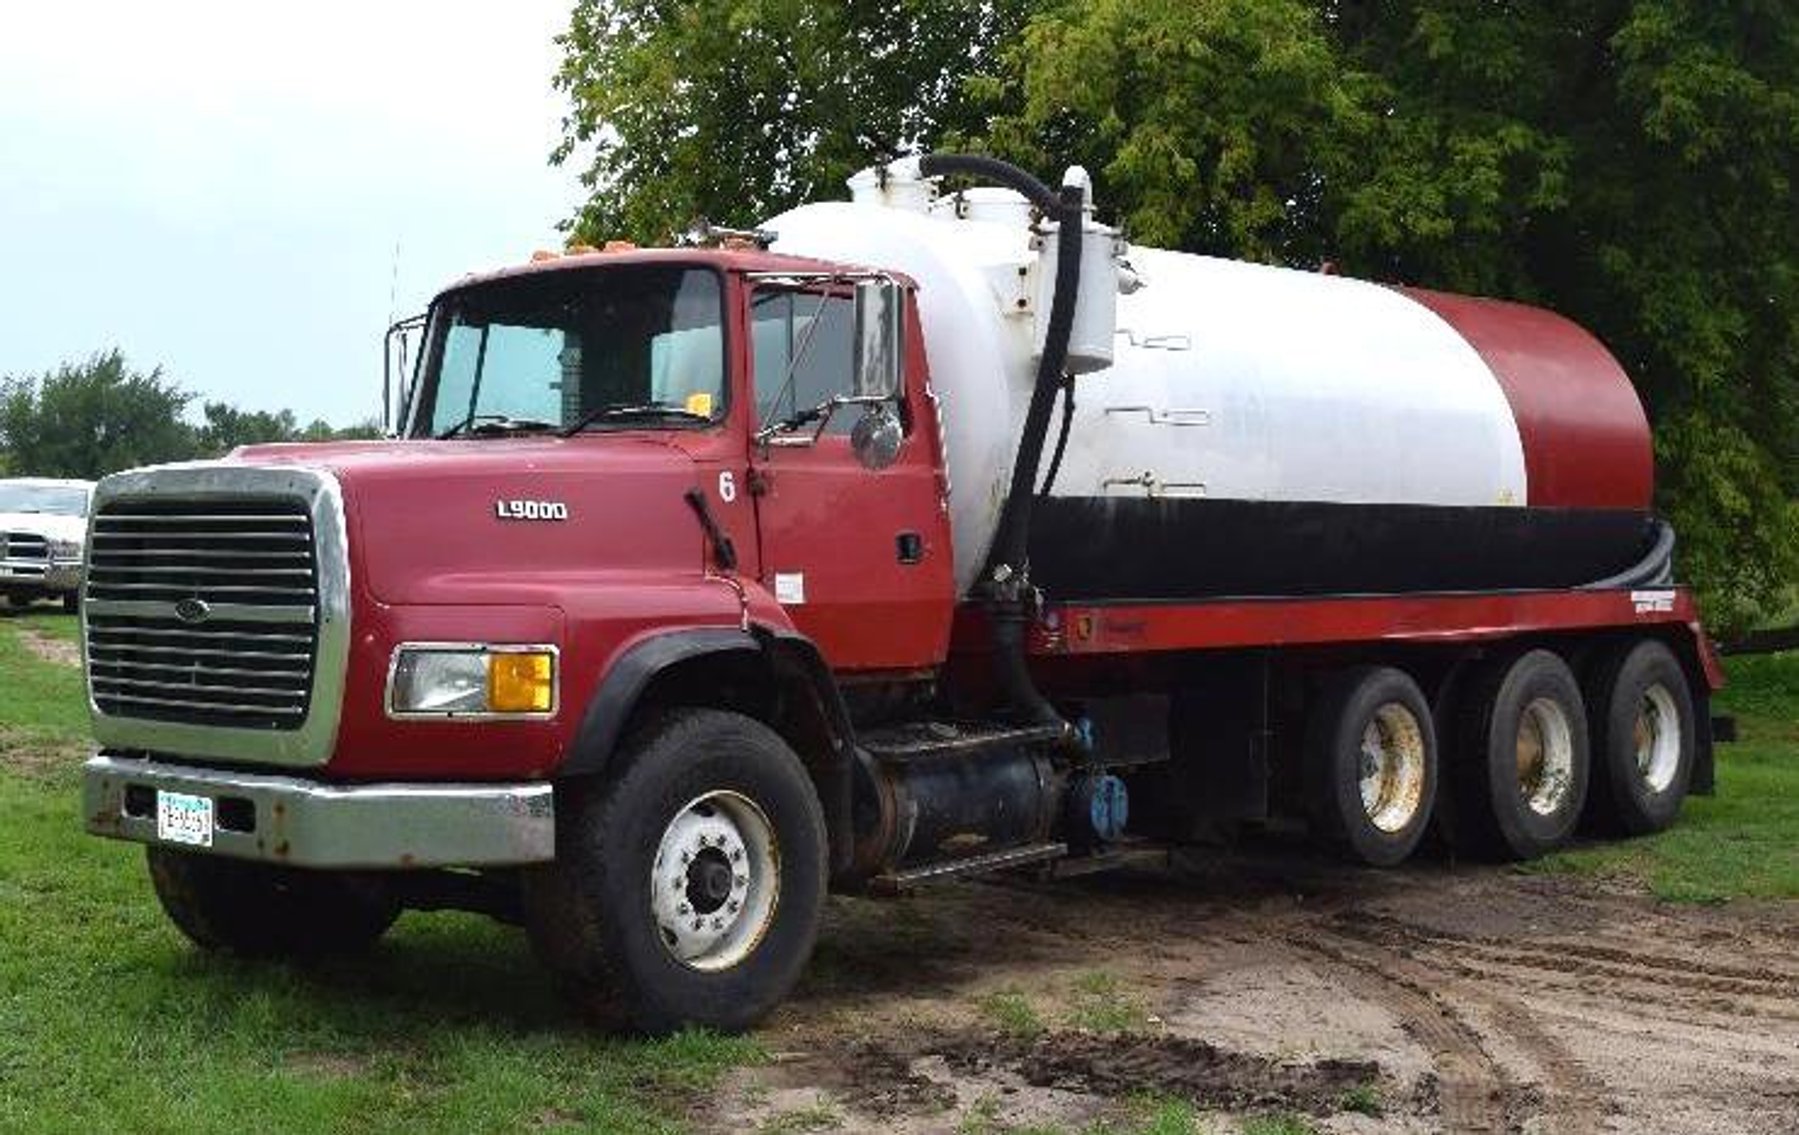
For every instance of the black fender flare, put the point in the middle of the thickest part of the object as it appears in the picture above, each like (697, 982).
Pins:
(624, 682)
(793, 660)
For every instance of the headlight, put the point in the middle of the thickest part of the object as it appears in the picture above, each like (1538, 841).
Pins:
(460, 680)
(66, 550)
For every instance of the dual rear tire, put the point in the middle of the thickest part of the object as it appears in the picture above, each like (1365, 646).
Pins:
(1533, 753)
(1371, 765)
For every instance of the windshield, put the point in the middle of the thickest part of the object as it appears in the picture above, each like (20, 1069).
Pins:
(549, 350)
(57, 500)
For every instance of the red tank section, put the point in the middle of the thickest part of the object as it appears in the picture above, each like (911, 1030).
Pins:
(1585, 437)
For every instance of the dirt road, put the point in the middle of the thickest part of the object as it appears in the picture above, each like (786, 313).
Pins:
(1273, 987)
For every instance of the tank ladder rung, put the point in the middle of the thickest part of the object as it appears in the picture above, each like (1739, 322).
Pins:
(897, 882)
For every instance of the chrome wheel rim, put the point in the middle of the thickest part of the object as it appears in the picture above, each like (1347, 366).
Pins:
(1657, 737)
(715, 881)
(1392, 768)
(1545, 754)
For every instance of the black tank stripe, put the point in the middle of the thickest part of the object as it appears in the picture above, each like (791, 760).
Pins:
(1146, 548)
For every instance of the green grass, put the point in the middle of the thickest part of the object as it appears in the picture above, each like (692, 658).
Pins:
(1101, 1004)
(1744, 841)
(35, 696)
(1010, 1011)
(109, 1021)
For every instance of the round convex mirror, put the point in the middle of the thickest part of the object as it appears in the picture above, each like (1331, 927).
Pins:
(876, 438)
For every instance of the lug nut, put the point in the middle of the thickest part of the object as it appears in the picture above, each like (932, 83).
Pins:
(683, 909)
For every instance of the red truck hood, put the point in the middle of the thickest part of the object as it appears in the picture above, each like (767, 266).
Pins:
(425, 519)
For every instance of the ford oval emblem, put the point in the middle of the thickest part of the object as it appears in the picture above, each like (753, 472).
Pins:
(192, 610)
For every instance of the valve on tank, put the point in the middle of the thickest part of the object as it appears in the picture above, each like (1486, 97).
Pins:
(1095, 809)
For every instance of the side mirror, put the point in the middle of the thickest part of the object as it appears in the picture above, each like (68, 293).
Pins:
(879, 308)
(399, 361)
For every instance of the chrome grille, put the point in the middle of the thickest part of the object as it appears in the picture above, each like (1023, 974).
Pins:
(24, 546)
(203, 611)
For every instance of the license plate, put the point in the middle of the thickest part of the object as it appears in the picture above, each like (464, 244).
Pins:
(181, 818)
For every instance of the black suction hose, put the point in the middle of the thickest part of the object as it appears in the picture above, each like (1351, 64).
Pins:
(1654, 569)
(1007, 573)
(1055, 459)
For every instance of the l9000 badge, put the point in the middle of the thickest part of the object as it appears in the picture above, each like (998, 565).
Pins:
(530, 510)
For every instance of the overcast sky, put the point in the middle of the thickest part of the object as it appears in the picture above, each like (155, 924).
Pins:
(219, 188)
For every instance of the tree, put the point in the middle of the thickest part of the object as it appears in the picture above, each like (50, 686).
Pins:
(226, 427)
(733, 110)
(89, 419)
(1629, 163)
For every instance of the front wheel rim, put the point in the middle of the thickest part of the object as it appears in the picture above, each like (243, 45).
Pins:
(1391, 768)
(1656, 733)
(716, 881)
(1545, 756)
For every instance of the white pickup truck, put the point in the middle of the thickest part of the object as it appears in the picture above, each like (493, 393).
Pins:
(43, 528)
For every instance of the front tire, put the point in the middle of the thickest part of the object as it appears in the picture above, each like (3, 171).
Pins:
(1371, 765)
(689, 885)
(1522, 765)
(259, 910)
(1644, 739)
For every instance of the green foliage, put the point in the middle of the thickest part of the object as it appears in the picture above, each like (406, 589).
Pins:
(1203, 122)
(88, 419)
(225, 427)
(1629, 163)
(733, 110)
(97, 417)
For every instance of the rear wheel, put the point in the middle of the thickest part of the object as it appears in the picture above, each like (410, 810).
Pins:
(688, 887)
(1522, 766)
(260, 910)
(1644, 739)
(1371, 764)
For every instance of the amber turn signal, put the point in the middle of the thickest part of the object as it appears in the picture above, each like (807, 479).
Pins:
(524, 682)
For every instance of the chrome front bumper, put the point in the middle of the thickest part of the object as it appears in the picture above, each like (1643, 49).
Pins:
(306, 823)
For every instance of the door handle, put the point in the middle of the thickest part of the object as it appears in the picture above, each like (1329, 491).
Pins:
(908, 547)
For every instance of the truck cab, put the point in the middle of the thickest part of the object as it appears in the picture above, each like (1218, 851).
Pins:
(625, 483)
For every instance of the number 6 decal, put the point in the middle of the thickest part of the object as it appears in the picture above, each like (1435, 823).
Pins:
(727, 486)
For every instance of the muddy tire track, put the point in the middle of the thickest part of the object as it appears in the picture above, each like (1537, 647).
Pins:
(1690, 990)
(1473, 1092)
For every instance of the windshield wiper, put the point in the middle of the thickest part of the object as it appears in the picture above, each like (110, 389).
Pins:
(613, 410)
(479, 424)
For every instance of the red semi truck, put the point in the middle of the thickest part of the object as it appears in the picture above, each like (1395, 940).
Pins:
(924, 534)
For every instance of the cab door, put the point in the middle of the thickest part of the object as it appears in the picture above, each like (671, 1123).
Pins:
(855, 536)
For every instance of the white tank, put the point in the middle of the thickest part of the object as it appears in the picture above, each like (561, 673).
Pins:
(1227, 381)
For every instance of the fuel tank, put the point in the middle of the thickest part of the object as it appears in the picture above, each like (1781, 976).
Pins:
(1258, 430)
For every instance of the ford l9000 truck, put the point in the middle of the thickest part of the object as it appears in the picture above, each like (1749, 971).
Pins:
(903, 538)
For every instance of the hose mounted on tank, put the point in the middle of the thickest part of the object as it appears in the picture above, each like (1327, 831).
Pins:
(1007, 574)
